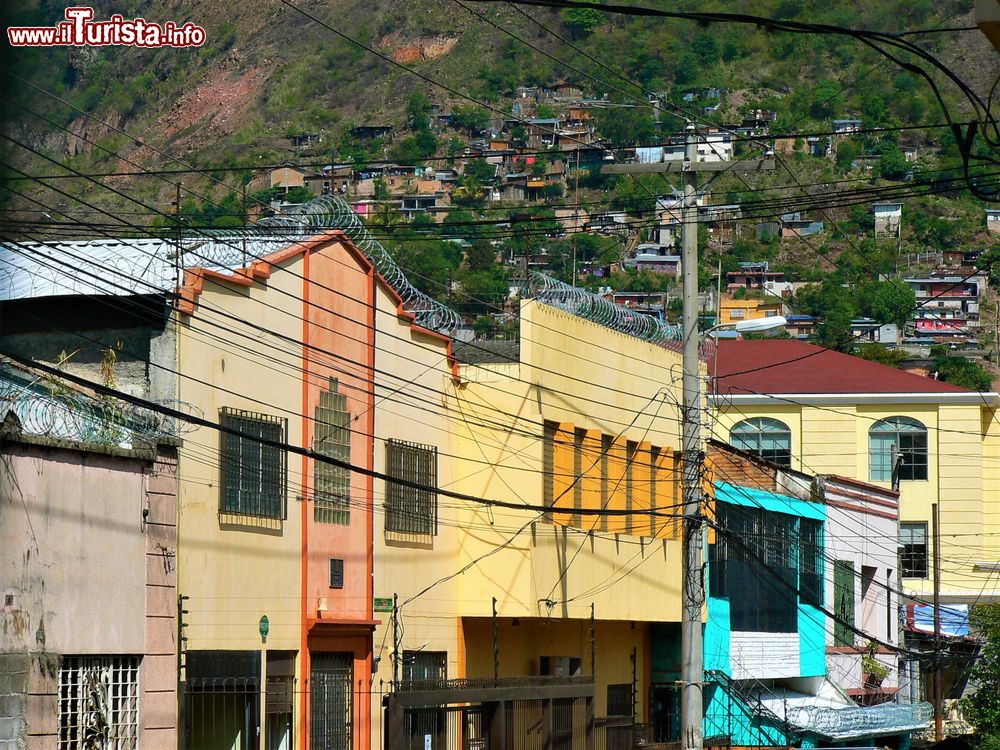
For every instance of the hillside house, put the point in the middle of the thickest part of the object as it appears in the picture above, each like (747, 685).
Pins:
(733, 310)
(888, 218)
(656, 258)
(846, 127)
(993, 220)
(794, 225)
(752, 275)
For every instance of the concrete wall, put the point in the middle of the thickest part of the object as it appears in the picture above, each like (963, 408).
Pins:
(85, 574)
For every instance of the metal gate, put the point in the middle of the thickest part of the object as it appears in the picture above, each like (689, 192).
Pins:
(331, 709)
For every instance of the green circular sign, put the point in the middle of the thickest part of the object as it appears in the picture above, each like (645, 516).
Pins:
(263, 626)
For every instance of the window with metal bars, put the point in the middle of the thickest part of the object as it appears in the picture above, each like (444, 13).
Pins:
(253, 473)
(425, 665)
(913, 557)
(761, 599)
(332, 438)
(620, 699)
(99, 702)
(411, 510)
(811, 562)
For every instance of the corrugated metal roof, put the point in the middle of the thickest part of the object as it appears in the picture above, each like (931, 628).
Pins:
(119, 266)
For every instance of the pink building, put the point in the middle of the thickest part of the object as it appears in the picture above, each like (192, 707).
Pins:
(88, 539)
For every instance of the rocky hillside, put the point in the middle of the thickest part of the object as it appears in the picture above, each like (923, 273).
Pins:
(268, 72)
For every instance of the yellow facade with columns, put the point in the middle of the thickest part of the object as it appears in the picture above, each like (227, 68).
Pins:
(579, 400)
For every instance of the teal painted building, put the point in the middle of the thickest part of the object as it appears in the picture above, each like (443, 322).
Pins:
(770, 580)
(765, 629)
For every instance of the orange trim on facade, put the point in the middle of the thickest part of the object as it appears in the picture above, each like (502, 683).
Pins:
(304, 640)
(261, 269)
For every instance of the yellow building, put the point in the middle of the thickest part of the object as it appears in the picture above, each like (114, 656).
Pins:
(823, 412)
(518, 425)
(732, 310)
(274, 556)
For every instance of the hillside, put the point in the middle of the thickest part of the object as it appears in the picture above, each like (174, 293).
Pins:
(268, 73)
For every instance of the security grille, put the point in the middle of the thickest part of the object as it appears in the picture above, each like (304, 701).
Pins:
(620, 700)
(761, 599)
(332, 438)
(811, 562)
(332, 701)
(99, 702)
(425, 665)
(253, 473)
(411, 510)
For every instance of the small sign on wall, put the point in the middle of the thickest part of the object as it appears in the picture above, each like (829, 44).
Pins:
(383, 604)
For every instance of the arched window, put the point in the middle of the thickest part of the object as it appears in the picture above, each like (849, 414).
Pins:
(910, 440)
(768, 438)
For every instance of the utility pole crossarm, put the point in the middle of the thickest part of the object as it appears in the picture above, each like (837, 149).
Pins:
(679, 166)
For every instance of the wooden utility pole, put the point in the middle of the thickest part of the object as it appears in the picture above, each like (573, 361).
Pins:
(938, 697)
(692, 578)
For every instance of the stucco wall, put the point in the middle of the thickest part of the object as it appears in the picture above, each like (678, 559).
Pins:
(88, 574)
(72, 551)
(963, 466)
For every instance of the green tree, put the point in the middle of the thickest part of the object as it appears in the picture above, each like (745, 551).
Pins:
(964, 373)
(982, 708)
(826, 100)
(706, 47)
(582, 21)
(481, 256)
(429, 264)
(892, 164)
(886, 301)
(623, 126)
(881, 354)
(474, 119)
(483, 290)
(990, 262)
(545, 112)
(480, 170)
(832, 305)
(847, 152)
(416, 111)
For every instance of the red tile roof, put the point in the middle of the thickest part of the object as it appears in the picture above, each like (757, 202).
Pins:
(790, 366)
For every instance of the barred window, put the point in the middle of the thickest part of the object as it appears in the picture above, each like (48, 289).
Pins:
(410, 510)
(756, 571)
(99, 702)
(811, 562)
(620, 702)
(425, 665)
(332, 438)
(253, 473)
